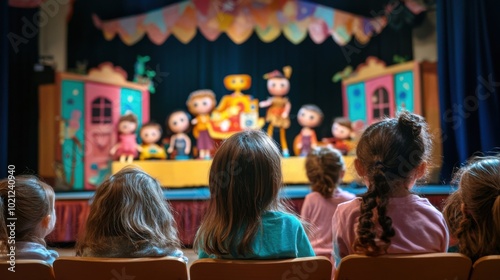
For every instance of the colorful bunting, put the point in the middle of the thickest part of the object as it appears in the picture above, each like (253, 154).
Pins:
(239, 19)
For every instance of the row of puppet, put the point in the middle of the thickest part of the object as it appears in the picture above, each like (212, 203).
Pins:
(178, 145)
(236, 112)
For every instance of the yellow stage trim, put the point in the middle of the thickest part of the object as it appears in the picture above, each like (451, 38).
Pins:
(194, 173)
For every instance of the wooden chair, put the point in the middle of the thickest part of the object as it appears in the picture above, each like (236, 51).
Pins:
(438, 266)
(26, 270)
(486, 268)
(82, 268)
(317, 268)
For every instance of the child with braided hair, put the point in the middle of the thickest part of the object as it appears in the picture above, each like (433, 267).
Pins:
(325, 169)
(388, 219)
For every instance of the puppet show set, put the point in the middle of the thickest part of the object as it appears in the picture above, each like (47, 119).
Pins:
(103, 117)
(104, 122)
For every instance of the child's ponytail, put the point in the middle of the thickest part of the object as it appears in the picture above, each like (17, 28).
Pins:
(376, 198)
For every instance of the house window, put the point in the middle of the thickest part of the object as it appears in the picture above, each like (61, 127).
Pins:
(380, 103)
(101, 110)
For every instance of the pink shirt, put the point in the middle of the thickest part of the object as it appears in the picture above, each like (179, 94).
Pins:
(419, 227)
(318, 211)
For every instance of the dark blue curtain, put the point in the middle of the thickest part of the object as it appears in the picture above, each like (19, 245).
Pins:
(4, 85)
(469, 79)
(22, 116)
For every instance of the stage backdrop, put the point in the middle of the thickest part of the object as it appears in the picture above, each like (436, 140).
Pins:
(183, 68)
(469, 79)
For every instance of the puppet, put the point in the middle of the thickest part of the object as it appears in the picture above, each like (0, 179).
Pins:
(178, 123)
(278, 85)
(150, 134)
(126, 149)
(200, 103)
(236, 111)
(344, 133)
(309, 117)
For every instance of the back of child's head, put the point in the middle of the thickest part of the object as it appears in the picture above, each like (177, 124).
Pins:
(479, 187)
(452, 211)
(129, 205)
(245, 179)
(391, 155)
(324, 168)
(30, 201)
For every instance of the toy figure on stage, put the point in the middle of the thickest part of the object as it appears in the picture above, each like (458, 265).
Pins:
(127, 148)
(278, 86)
(200, 103)
(236, 111)
(309, 117)
(178, 123)
(150, 134)
(343, 135)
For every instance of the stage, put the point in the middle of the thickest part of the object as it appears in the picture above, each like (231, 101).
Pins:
(189, 204)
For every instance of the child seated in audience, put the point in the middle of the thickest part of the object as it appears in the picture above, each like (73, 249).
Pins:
(388, 219)
(477, 228)
(33, 208)
(325, 170)
(246, 218)
(129, 218)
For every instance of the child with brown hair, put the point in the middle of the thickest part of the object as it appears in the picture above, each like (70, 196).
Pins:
(452, 214)
(245, 218)
(35, 217)
(388, 219)
(478, 227)
(325, 170)
(129, 218)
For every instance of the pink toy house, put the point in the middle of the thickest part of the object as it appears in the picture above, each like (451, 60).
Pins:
(374, 91)
(90, 106)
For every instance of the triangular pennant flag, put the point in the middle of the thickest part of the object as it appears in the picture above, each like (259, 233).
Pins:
(156, 18)
(326, 14)
(305, 10)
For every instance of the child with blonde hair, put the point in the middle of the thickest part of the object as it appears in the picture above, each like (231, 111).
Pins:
(245, 218)
(325, 169)
(129, 218)
(388, 219)
(477, 227)
(33, 208)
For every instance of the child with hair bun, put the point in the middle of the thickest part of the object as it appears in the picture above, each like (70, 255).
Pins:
(325, 170)
(388, 219)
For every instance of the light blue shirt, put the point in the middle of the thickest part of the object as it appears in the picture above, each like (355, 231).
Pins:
(33, 251)
(280, 236)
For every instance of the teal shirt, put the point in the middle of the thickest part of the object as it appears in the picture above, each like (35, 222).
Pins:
(280, 236)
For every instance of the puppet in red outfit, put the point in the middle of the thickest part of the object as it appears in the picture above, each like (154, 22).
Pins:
(343, 135)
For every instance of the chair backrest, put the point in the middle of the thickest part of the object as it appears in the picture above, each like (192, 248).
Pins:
(82, 268)
(318, 268)
(451, 266)
(486, 268)
(26, 269)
